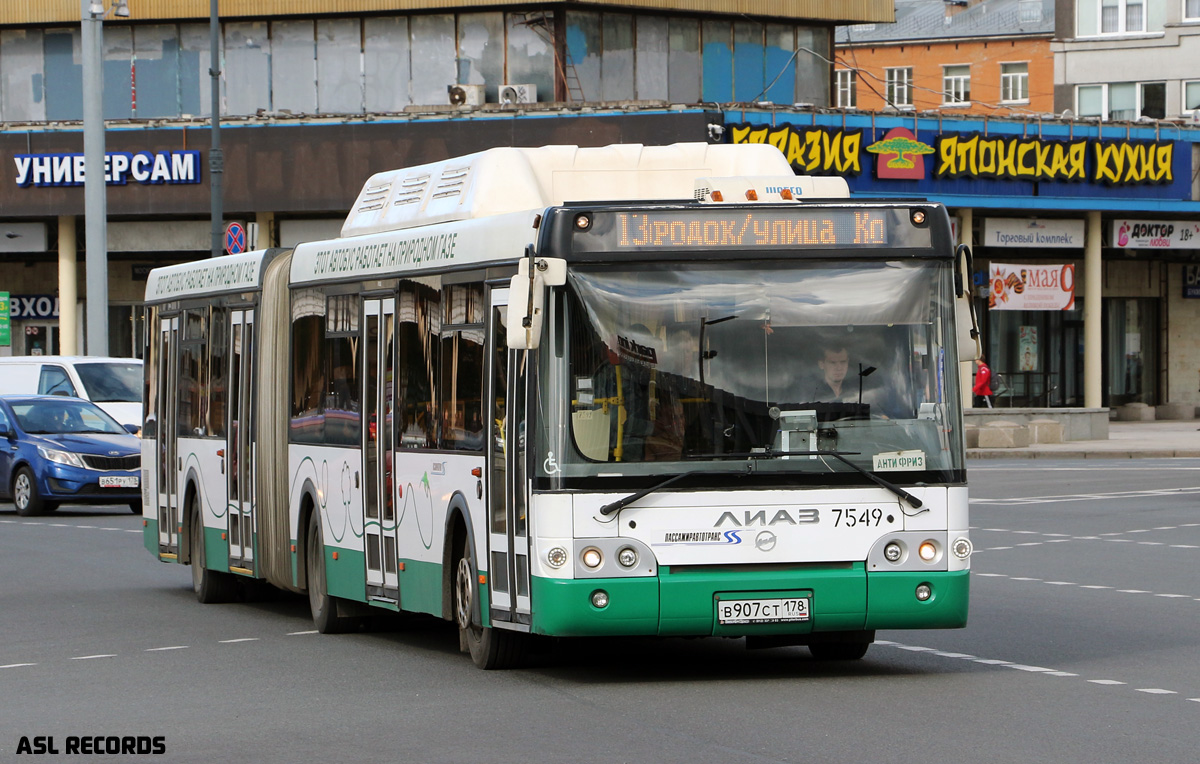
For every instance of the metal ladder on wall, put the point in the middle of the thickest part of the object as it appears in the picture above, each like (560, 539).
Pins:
(542, 25)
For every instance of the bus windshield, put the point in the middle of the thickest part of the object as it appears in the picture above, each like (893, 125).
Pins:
(715, 363)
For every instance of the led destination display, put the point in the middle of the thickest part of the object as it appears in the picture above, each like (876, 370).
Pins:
(751, 229)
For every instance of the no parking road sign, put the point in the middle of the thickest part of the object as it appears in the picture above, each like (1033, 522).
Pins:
(235, 238)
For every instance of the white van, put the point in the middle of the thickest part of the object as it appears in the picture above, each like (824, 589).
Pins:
(113, 384)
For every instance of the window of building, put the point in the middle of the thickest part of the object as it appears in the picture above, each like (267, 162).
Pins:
(1014, 83)
(1122, 101)
(1191, 96)
(1122, 16)
(956, 84)
(847, 88)
(899, 86)
(1191, 10)
(1030, 11)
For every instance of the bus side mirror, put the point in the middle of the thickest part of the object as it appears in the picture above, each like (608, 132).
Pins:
(966, 323)
(527, 299)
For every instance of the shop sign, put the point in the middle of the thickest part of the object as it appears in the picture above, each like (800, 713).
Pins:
(1191, 282)
(900, 155)
(144, 167)
(27, 306)
(1031, 287)
(5, 322)
(1042, 234)
(1156, 234)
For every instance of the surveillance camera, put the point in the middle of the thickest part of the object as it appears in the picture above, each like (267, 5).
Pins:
(716, 132)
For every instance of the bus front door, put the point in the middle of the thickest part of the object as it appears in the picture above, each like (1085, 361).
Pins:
(167, 375)
(508, 519)
(239, 454)
(379, 504)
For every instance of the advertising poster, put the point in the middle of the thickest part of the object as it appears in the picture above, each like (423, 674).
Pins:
(1031, 287)
(1027, 349)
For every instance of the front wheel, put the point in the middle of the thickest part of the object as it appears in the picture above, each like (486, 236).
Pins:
(25, 494)
(489, 648)
(210, 586)
(320, 602)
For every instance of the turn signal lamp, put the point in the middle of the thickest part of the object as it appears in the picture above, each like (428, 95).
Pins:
(927, 551)
(591, 557)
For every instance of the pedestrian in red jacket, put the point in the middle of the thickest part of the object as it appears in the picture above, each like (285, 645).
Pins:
(983, 385)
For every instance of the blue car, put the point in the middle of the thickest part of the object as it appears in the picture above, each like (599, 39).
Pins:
(55, 449)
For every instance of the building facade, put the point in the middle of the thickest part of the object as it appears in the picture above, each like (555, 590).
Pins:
(316, 95)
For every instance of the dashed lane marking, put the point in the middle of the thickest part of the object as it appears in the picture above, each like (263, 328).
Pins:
(93, 657)
(160, 649)
(242, 639)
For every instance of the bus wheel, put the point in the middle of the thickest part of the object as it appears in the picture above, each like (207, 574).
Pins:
(136, 507)
(839, 651)
(25, 494)
(322, 605)
(489, 648)
(210, 586)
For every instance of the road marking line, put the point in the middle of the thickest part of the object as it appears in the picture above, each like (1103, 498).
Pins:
(1066, 535)
(17, 665)
(916, 648)
(172, 647)
(1094, 586)
(1031, 543)
(58, 525)
(1123, 541)
(955, 655)
(1105, 681)
(314, 631)
(1151, 543)
(1194, 700)
(992, 662)
(996, 548)
(1027, 533)
(1173, 596)
(1184, 546)
(1060, 673)
(242, 639)
(1025, 578)
(1133, 591)
(1166, 528)
(1060, 583)
(90, 657)
(1157, 691)
(1057, 541)
(1032, 669)
(992, 575)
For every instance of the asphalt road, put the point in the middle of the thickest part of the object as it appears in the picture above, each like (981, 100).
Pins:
(1083, 646)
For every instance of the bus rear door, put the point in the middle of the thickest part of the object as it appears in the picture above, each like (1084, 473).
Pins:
(166, 436)
(239, 456)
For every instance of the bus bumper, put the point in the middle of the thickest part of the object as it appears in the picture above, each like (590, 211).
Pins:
(683, 602)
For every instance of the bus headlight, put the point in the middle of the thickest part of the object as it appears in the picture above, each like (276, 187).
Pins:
(628, 557)
(961, 547)
(556, 557)
(893, 552)
(591, 557)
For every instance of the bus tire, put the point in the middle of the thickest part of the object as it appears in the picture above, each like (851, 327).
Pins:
(323, 605)
(211, 586)
(489, 648)
(25, 494)
(838, 651)
(136, 507)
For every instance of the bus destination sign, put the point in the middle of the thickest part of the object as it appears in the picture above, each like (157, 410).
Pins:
(749, 229)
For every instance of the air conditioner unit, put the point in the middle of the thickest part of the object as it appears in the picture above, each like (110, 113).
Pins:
(518, 93)
(466, 95)
(1194, 116)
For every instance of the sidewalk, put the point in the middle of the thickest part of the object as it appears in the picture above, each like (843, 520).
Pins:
(1126, 440)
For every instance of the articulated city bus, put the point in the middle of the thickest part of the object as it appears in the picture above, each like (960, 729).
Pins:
(577, 392)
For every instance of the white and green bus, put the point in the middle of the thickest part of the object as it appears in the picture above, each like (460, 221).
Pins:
(671, 391)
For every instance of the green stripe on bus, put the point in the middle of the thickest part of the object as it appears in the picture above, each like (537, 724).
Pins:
(150, 536)
(346, 576)
(563, 607)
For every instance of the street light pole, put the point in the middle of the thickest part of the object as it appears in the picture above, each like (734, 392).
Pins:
(95, 206)
(216, 160)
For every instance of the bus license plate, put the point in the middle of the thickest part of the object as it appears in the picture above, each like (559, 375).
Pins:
(763, 611)
(114, 481)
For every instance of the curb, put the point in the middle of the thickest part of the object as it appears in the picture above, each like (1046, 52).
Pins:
(1033, 453)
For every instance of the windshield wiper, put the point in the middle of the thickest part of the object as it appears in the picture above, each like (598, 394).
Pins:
(619, 504)
(767, 453)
